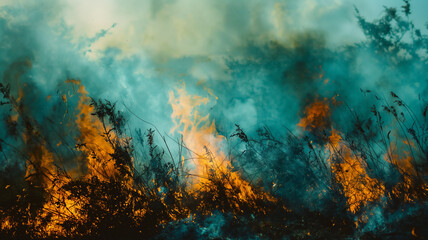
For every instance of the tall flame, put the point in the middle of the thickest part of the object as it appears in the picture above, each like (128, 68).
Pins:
(350, 171)
(97, 145)
(359, 188)
(197, 131)
(204, 143)
(97, 149)
(404, 163)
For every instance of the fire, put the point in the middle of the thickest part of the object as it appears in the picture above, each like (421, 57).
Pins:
(348, 168)
(359, 188)
(403, 161)
(198, 134)
(215, 185)
(67, 193)
(316, 115)
(97, 145)
(41, 170)
(204, 144)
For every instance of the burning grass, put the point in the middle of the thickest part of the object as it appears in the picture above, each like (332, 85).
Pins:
(332, 180)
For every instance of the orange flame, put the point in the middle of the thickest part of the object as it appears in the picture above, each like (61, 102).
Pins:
(316, 115)
(404, 163)
(201, 138)
(41, 171)
(359, 188)
(198, 133)
(96, 145)
(350, 172)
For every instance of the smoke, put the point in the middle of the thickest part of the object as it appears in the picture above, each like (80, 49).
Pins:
(261, 61)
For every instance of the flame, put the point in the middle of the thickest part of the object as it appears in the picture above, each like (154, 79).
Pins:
(404, 163)
(97, 146)
(204, 143)
(359, 188)
(350, 172)
(316, 115)
(97, 149)
(40, 169)
(197, 133)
